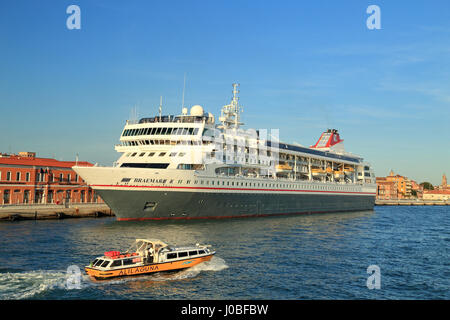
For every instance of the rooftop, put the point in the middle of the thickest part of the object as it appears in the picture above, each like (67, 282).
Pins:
(29, 159)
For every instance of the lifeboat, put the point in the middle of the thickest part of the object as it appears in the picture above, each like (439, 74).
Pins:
(148, 256)
(283, 168)
(318, 172)
(338, 174)
(348, 170)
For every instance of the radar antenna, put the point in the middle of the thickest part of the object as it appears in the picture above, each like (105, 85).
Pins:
(230, 116)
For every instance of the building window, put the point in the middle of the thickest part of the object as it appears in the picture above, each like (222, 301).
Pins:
(26, 196)
(68, 177)
(8, 176)
(17, 176)
(27, 176)
(61, 177)
(6, 197)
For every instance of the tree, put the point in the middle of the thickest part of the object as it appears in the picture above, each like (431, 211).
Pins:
(427, 186)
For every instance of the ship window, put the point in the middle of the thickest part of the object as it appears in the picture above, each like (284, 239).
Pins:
(181, 154)
(171, 255)
(134, 154)
(127, 262)
(195, 131)
(116, 263)
(142, 154)
(152, 131)
(163, 130)
(158, 131)
(105, 264)
(94, 262)
(162, 154)
(201, 251)
(193, 253)
(173, 154)
(151, 154)
(99, 262)
(182, 254)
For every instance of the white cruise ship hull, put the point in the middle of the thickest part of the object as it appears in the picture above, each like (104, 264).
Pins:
(152, 194)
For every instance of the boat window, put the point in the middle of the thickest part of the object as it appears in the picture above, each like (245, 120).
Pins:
(105, 264)
(99, 262)
(116, 263)
(193, 253)
(127, 262)
(134, 153)
(201, 251)
(163, 131)
(173, 154)
(151, 154)
(162, 154)
(94, 262)
(182, 254)
(158, 131)
(142, 154)
(171, 255)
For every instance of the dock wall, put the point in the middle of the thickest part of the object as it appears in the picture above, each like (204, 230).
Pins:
(412, 202)
(53, 211)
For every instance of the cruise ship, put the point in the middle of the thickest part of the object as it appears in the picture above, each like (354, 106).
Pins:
(190, 166)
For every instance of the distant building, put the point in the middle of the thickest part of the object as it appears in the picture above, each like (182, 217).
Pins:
(26, 179)
(417, 189)
(436, 195)
(386, 190)
(444, 185)
(403, 185)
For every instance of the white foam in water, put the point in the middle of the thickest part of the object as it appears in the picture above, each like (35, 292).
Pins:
(25, 285)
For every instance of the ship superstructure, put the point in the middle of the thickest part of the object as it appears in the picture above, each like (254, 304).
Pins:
(188, 166)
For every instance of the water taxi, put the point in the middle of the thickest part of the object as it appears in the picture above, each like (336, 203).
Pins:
(148, 256)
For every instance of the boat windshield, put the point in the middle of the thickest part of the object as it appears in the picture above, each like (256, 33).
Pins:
(97, 262)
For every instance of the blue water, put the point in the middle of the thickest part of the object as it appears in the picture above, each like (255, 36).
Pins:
(322, 256)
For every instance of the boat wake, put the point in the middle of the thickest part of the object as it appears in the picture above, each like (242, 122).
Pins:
(28, 285)
(25, 285)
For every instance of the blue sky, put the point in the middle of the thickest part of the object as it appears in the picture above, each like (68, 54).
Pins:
(302, 67)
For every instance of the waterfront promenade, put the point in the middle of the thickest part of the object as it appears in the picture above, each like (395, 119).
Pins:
(53, 211)
(412, 202)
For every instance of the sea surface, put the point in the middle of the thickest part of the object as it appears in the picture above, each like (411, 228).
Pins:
(322, 256)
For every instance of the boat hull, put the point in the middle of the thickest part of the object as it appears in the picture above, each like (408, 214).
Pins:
(130, 204)
(146, 269)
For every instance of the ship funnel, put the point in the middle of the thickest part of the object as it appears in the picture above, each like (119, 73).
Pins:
(328, 139)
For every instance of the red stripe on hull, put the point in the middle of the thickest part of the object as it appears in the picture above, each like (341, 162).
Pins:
(231, 217)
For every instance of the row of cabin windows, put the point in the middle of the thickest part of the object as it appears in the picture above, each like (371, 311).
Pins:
(261, 184)
(163, 142)
(184, 254)
(125, 262)
(151, 154)
(40, 177)
(160, 131)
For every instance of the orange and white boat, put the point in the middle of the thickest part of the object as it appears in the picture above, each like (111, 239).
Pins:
(149, 256)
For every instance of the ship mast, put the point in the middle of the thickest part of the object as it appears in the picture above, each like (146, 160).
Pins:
(230, 116)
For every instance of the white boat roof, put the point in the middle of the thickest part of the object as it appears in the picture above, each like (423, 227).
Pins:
(152, 241)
